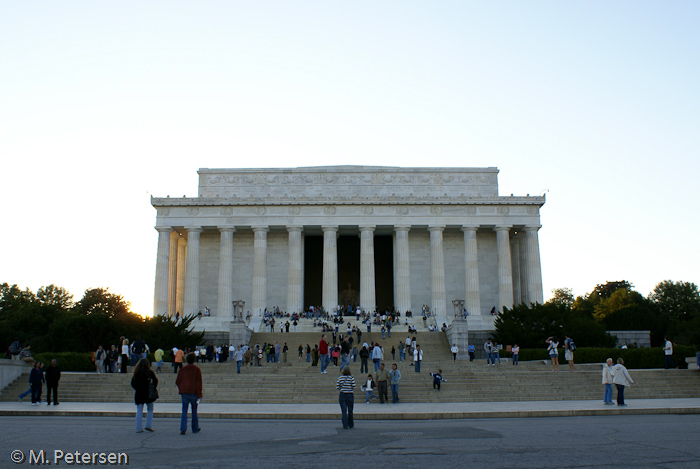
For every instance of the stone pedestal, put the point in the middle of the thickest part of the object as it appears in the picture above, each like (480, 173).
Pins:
(457, 333)
(239, 333)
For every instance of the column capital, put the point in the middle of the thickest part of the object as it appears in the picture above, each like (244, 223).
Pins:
(194, 229)
(466, 228)
(436, 228)
(293, 228)
(502, 227)
(532, 227)
(225, 229)
(163, 229)
(333, 228)
(402, 227)
(367, 227)
(260, 229)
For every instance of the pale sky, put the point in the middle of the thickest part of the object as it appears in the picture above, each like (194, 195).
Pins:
(104, 104)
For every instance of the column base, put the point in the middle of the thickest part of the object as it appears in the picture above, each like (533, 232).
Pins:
(457, 333)
(239, 333)
(481, 323)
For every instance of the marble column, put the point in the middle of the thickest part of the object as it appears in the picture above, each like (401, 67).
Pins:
(172, 273)
(437, 275)
(534, 268)
(295, 274)
(505, 272)
(192, 272)
(181, 275)
(160, 300)
(224, 305)
(259, 299)
(403, 270)
(472, 289)
(330, 268)
(515, 265)
(368, 301)
(522, 241)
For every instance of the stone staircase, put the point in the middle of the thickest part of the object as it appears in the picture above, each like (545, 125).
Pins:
(298, 382)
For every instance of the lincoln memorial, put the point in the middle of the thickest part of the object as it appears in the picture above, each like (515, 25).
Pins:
(369, 236)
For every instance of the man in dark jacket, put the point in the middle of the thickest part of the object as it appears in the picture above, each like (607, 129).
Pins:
(52, 377)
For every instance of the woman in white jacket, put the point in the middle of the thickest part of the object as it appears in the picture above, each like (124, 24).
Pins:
(608, 382)
(621, 378)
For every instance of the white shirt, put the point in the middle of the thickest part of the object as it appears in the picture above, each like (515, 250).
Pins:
(417, 355)
(668, 348)
(454, 349)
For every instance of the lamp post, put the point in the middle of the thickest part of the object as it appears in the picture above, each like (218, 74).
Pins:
(238, 310)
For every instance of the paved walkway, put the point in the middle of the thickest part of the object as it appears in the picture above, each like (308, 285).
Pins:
(373, 411)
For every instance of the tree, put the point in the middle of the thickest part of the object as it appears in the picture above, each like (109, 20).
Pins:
(620, 299)
(677, 301)
(101, 301)
(562, 296)
(605, 290)
(56, 296)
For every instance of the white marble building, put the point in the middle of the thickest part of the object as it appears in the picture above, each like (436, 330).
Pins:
(378, 236)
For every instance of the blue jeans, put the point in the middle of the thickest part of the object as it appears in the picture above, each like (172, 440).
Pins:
(383, 334)
(308, 358)
(607, 396)
(388, 332)
(189, 400)
(277, 357)
(139, 416)
(347, 402)
(370, 394)
(489, 358)
(394, 392)
(363, 365)
(26, 393)
(344, 360)
(402, 354)
(36, 392)
(376, 364)
(515, 359)
(324, 362)
(238, 366)
(496, 357)
(417, 366)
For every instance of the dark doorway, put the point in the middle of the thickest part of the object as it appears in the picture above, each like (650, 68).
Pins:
(349, 271)
(384, 271)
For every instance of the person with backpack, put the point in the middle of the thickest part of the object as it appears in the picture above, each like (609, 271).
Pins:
(14, 349)
(552, 349)
(569, 347)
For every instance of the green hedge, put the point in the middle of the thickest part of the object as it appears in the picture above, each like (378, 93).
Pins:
(634, 357)
(67, 361)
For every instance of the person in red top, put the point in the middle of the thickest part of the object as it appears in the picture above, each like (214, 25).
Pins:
(189, 384)
(323, 352)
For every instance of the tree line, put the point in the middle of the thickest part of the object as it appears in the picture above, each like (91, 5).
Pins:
(671, 309)
(50, 321)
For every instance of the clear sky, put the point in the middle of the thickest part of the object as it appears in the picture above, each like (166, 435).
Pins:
(104, 104)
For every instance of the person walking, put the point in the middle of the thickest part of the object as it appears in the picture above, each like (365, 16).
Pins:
(402, 351)
(36, 379)
(552, 349)
(417, 358)
(52, 377)
(383, 384)
(394, 378)
(145, 386)
(369, 387)
(621, 378)
(495, 353)
(668, 354)
(454, 351)
(238, 355)
(189, 385)
(437, 380)
(376, 356)
(488, 348)
(364, 356)
(323, 353)
(608, 382)
(346, 399)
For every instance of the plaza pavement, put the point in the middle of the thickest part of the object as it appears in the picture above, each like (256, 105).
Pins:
(372, 411)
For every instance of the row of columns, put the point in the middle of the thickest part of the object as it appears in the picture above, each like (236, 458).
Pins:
(519, 270)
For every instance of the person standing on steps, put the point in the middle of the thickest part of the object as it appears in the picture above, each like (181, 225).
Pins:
(569, 348)
(488, 348)
(189, 385)
(552, 349)
(364, 357)
(454, 351)
(668, 354)
(376, 356)
(471, 350)
(514, 352)
(382, 383)
(394, 378)
(346, 398)
(417, 358)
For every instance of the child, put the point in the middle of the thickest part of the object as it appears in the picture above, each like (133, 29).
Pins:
(369, 387)
(437, 379)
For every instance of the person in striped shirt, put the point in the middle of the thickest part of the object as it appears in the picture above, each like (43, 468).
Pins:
(346, 385)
